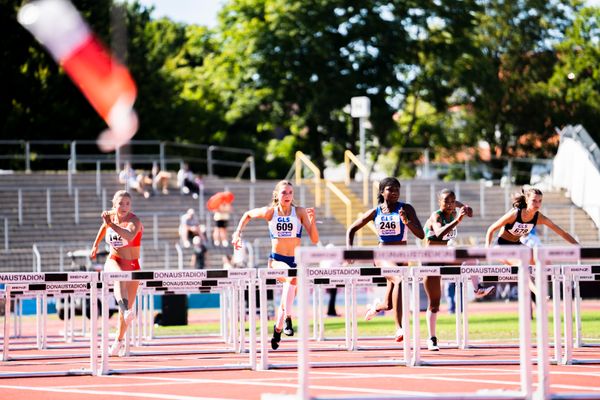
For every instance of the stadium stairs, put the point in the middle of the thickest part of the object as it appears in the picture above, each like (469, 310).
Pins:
(63, 235)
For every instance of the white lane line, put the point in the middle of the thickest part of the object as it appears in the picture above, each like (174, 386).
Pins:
(281, 384)
(114, 393)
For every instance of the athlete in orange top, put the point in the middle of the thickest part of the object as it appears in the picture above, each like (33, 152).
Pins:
(123, 232)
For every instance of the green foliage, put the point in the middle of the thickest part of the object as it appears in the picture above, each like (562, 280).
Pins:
(574, 88)
(275, 76)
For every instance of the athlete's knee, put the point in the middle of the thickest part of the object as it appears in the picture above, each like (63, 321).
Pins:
(434, 305)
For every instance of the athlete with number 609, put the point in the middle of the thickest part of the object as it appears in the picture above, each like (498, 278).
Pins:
(285, 226)
(391, 218)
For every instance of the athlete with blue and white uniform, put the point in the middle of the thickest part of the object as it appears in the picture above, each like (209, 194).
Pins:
(286, 223)
(393, 219)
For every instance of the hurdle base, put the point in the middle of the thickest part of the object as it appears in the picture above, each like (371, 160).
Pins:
(229, 367)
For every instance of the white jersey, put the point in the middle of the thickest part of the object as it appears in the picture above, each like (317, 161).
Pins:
(285, 226)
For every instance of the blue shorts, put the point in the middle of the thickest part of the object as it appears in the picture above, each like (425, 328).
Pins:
(289, 260)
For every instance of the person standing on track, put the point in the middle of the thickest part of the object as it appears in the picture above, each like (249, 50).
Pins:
(391, 218)
(286, 221)
(123, 231)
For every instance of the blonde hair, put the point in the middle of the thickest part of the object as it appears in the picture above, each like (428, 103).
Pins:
(119, 194)
(280, 184)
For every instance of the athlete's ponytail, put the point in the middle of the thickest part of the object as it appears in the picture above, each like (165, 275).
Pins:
(520, 199)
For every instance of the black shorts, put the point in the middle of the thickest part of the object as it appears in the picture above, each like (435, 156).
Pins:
(502, 241)
(222, 223)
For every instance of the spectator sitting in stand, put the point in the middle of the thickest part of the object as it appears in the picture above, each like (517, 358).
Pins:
(187, 182)
(189, 226)
(157, 179)
(128, 177)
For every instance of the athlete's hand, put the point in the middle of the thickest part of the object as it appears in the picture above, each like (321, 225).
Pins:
(106, 216)
(469, 210)
(403, 216)
(93, 252)
(236, 240)
(310, 213)
(461, 213)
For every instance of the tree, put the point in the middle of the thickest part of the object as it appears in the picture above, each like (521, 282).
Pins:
(574, 88)
(502, 77)
(292, 66)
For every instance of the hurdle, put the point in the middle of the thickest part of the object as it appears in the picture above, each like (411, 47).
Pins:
(42, 340)
(308, 255)
(582, 273)
(145, 335)
(40, 285)
(239, 279)
(350, 277)
(570, 274)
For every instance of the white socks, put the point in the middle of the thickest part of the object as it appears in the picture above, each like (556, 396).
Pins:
(287, 301)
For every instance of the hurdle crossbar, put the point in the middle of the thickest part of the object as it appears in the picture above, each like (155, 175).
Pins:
(404, 254)
(243, 278)
(39, 284)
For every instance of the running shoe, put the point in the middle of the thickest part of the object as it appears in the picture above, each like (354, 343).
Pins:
(288, 329)
(276, 338)
(481, 292)
(371, 310)
(432, 344)
(399, 335)
(129, 316)
(116, 348)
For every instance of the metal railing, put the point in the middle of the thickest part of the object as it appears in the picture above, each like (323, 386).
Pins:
(343, 198)
(77, 152)
(349, 159)
(302, 159)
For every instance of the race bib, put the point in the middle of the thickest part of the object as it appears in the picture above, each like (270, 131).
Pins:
(520, 229)
(388, 225)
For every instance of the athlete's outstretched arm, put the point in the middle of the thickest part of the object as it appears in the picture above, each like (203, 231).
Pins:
(507, 218)
(262, 212)
(99, 237)
(543, 220)
(359, 223)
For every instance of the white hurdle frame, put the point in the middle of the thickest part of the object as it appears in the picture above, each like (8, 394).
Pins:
(559, 254)
(145, 301)
(309, 255)
(39, 285)
(353, 276)
(239, 279)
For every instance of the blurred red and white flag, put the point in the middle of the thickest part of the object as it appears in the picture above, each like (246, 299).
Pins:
(104, 81)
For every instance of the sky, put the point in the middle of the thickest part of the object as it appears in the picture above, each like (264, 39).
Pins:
(201, 12)
(204, 12)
